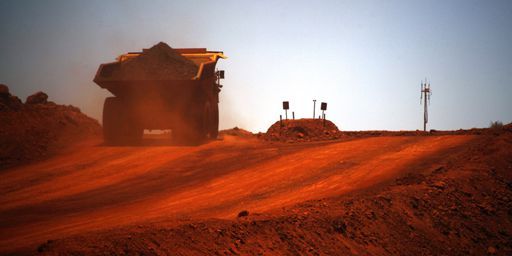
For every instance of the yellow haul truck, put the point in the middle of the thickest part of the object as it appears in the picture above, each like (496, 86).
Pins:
(161, 88)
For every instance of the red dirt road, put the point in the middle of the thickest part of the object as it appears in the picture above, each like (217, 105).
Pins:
(96, 187)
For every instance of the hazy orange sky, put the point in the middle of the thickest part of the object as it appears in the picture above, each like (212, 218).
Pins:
(365, 58)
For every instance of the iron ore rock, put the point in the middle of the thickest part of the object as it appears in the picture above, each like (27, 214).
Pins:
(37, 98)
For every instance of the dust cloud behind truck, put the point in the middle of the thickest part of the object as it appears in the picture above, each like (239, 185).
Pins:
(161, 88)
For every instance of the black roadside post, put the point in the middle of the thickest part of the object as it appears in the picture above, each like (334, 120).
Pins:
(323, 107)
(286, 106)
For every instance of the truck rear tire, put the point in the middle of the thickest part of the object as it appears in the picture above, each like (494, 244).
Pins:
(214, 123)
(200, 124)
(198, 128)
(119, 127)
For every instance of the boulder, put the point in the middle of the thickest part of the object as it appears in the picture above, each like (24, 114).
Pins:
(15, 103)
(243, 213)
(37, 98)
(9, 102)
(4, 90)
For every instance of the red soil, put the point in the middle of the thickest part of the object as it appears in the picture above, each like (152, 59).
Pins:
(370, 193)
(378, 195)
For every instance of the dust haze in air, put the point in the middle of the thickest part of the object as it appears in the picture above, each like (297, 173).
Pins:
(366, 59)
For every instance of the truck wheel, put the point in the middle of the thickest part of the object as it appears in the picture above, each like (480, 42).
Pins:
(214, 123)
(206, 120)
(118, 127)
(199, 132)
(197, 128)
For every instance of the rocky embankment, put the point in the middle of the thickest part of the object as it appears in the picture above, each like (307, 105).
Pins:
(38, 128)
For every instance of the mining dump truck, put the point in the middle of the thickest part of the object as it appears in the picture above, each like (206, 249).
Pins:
(161, 88)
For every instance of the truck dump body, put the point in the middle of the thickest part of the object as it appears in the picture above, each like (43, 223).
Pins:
(160, 65)
(161, 88)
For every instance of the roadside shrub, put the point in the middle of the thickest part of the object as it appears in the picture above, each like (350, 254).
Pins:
(496, 125)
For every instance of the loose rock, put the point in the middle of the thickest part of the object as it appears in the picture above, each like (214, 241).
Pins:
(243, 213)
(4, 90)
(37, 98)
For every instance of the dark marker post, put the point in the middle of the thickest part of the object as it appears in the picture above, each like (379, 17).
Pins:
(323, 107)
(286, 106)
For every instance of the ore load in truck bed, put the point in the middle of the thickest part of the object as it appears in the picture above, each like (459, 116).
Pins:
(159, 62)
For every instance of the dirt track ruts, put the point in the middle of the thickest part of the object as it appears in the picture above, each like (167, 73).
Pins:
(96, 187)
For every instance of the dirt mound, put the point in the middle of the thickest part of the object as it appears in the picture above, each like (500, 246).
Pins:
(39, 128)
(159, 62)
(238, 132)
(302, 130)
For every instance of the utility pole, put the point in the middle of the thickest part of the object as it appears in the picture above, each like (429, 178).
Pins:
(314, 107)
(425, 96)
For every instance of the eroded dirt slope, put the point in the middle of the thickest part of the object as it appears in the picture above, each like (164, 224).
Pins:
(451, 195)
(97, 188)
